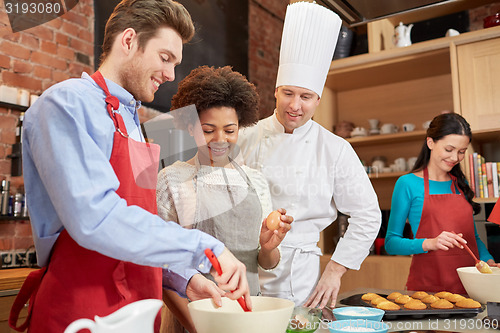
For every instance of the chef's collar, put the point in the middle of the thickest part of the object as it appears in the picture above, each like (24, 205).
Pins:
(278, 127)
(125, 97)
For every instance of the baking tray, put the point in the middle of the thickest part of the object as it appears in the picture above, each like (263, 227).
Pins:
(355, 300)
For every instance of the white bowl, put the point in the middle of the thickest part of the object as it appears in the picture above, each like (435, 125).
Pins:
(358, 312)
(481, 287)
(269, 315)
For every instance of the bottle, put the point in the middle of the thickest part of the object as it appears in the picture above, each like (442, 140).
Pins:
(19, 129)
(4, 208)
(17, 206)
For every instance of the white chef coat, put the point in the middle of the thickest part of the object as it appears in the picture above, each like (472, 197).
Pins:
(312, 173)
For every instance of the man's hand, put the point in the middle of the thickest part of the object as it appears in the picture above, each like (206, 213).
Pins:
(199, 287)
(328, 286)
(233, 279)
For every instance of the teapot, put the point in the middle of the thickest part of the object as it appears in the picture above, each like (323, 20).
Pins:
(132, 318)
(402, 35)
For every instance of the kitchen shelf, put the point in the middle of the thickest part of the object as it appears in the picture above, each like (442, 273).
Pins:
(485, 200)
(13, 106)
(384, 175)
(4, 218)
(386, 138)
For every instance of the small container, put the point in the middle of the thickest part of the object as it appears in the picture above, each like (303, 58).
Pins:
(491, 21)
(17, 206)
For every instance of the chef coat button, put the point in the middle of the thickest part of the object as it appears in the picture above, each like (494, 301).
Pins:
(201, 266)
(307, 141)
(292, 205)
(132, 102)
(165, 266)
(261, 166)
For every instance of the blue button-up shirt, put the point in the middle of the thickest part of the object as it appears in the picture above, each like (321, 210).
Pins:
(70, 184)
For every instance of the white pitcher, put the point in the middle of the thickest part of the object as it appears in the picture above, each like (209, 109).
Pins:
(402, 35)
(137, 317)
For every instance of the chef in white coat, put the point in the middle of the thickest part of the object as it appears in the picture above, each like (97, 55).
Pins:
(311, 172)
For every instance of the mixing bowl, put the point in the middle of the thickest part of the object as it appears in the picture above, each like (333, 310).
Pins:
(479, 286)
(358, 325)
(269, 315)
(358, 312)
(304, 320)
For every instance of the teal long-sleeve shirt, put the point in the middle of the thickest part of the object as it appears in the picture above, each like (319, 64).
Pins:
(407, 203)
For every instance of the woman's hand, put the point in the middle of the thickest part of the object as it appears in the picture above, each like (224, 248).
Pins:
(270, 239)
(492, 263)
(445, 241)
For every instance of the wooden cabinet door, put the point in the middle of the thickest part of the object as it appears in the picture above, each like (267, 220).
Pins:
(479, 82)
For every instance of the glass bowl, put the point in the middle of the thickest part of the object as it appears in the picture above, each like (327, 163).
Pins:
(304, 320)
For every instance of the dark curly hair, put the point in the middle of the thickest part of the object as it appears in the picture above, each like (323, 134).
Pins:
(441, 126)
(208, 87)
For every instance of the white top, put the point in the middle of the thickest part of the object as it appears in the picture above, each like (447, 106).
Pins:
(312, 173)
(176, 193)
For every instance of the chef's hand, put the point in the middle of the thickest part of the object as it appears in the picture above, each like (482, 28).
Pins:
(270, 239)
(328, 287)
(199, 287)
(445, 241)
(233, 278)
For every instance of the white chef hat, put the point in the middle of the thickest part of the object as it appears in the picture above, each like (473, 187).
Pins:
(309, 37)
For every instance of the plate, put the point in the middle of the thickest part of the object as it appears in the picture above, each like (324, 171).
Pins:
(355, 300)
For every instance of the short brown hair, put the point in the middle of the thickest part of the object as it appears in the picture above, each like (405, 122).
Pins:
(208, 87)
(146, 17)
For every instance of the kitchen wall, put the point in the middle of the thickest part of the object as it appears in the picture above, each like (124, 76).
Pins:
(37, 58)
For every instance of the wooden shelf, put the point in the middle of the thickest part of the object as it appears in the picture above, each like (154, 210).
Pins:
(486, 136)
(386, 138)
(385, 175)
(485, 200)
(420, 60)
(13, 106)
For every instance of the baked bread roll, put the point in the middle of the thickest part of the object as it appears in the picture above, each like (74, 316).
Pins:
(455, 298)
(388, 306)
(393, 296)
(442, 304)
(419, 294)
(468, 303)
(443, 294)
(403, 299)
(369, 296)
(430, 299)
(415, 304)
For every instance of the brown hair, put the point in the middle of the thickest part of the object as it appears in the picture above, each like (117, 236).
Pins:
(146, 17)
(208, 87)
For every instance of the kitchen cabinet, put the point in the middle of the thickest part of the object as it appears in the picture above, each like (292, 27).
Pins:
(412, 85)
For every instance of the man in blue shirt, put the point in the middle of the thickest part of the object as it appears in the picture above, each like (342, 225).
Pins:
(92, 209)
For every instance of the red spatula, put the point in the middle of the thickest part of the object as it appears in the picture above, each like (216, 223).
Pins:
(480, 265)
(215, 262)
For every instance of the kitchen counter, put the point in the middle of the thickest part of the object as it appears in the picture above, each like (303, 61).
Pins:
(452, 324)
(13, 278)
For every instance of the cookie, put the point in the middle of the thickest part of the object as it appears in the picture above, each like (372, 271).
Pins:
(429, 299)
(388, 306)
(415, 304)
(369, 296)
(442, 304)
(468, 303)
(442, 294)
(419, 294)
(403, 299)
(393, 296)
(455, 298)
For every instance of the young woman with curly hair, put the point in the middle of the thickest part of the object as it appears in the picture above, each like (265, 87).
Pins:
(211, 192)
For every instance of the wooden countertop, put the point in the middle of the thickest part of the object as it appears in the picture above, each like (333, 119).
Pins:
(13, 278)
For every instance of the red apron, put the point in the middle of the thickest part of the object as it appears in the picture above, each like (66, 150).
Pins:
(436, 270)
(80, 283)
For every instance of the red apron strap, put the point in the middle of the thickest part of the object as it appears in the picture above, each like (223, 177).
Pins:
(27, 293)
(112, 103)
(426, 182)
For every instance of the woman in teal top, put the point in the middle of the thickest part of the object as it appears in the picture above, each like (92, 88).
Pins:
(437, 201)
